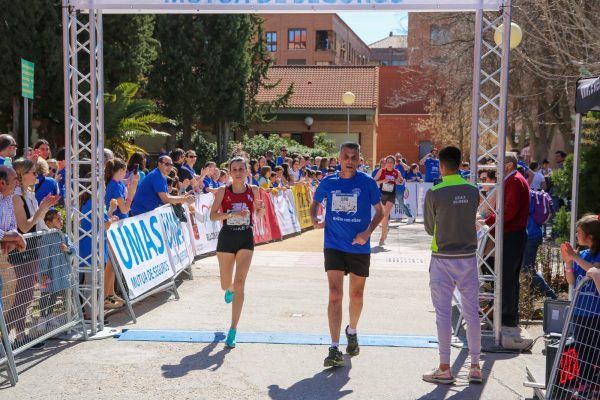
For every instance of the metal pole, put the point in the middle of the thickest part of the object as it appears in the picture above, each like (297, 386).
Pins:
(502, 127)
(575, 187)
(348, 126)
(476, 95)
(25, 126)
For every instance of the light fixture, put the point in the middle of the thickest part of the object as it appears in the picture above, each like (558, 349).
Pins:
(308, 121)
(516, 35)
(348, 98)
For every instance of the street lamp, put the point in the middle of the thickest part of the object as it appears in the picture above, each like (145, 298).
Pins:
(516, 35)
(348, 100)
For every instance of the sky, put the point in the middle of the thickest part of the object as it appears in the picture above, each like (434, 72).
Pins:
(374, 26)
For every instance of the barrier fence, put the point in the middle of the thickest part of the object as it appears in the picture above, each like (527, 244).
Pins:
(576, 369)
(39, 293)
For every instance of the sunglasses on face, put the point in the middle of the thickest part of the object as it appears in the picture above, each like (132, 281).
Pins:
(192, 156)
(167, 164)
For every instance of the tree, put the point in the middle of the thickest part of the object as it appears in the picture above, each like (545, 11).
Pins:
(176, 78)
(130, 48)
(126, 118)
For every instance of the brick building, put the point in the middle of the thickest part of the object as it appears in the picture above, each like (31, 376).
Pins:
(317, 100)
(390, 51)
(313, 39)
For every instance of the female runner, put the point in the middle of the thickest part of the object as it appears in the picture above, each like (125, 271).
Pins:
(234, 205)
(387, 177)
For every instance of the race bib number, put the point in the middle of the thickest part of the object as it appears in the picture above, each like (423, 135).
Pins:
(344, 202)
(387, 187)
(237, 220)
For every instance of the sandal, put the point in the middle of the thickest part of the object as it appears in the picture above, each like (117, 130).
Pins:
(110, 303)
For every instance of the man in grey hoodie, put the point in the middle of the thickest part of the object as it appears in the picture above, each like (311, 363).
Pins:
(450, 217)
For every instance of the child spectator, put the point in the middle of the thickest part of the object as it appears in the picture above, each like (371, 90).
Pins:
(114, 174)
(413, 174)
(587, 306)
(46, 184)
(55, 271)
(263, 180)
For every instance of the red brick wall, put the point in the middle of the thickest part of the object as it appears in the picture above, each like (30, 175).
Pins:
(398, 133)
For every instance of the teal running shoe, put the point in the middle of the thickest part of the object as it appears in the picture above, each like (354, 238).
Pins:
(228, 296)
(230, 341)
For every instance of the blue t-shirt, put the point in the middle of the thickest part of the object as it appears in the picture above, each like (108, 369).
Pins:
(115, 190)
(401, 188)
(146, 197)
(44, 187)
(411, 175)
(85, 242)
(432, 169)
(279, 160)
(348, 210)
(209, 183)
(375, 172)
(62, 182)
(465, 174)
(588, 301)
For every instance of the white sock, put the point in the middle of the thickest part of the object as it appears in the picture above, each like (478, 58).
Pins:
(351, 331)
(335, 344)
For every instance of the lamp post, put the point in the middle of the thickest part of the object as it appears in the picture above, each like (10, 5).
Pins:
(516, 35)
(348, 100)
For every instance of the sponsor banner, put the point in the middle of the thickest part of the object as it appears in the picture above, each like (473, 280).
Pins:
(206, 232)
(295, 223)
(189, 231)
(414, 198)
(140, 247)
(216, 6)
(284, 210)
(266, 228)
(302, 200)
(172, 227)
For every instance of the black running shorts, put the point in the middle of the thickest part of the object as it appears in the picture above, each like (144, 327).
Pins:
(355, 263)
(231, 241)
(388, 197)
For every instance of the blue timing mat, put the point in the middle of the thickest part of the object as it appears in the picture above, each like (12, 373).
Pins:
(142, 335)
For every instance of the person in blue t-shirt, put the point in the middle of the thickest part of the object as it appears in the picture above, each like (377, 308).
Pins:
(282, 155)
(46, 184)
(413, 174)
(8, 149)
(153, 191)
(211, 185)
(116, 191)
(465, 170)
(61, 175)
(349, 196)
(432, 167)
(587, 305)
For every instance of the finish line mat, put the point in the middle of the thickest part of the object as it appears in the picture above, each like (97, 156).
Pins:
(142, 335)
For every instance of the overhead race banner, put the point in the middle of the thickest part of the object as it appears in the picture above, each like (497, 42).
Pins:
(140, 248)
(302, 200)
(231, 6)
(206, 232)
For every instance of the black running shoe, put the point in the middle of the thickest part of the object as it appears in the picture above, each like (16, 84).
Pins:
(352, 347)
(334, 359)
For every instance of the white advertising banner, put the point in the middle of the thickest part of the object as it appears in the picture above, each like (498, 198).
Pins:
(231, 6)
(174, 231)
(286, 213)
(206, 232)
(141, 251)
(414, 198)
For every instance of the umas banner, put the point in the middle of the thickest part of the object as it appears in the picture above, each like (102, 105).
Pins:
(179, 254)
(141, 251)
(302, 200)
(206, 232)
(284, 210)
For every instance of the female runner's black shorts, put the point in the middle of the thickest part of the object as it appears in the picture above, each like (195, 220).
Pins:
(231, 241)
(388, 197)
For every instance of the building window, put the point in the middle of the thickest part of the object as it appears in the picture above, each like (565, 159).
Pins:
(325, 40)
(297, 137)
(272, 41)
(439, 35)
(343, 51)
(296, 39)
(296, 61)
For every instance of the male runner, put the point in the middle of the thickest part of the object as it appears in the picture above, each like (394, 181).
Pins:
(348, 227)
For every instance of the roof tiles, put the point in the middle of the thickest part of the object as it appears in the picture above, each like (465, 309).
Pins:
(323, 86)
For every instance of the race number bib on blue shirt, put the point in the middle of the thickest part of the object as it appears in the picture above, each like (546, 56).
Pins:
(343, 202)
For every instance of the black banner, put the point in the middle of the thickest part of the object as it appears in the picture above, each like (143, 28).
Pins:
(588, 95)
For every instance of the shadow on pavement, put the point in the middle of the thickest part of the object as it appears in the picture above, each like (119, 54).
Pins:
(326, 384)
(203, 360)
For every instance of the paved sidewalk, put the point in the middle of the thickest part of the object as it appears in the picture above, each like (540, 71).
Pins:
(286, 292)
